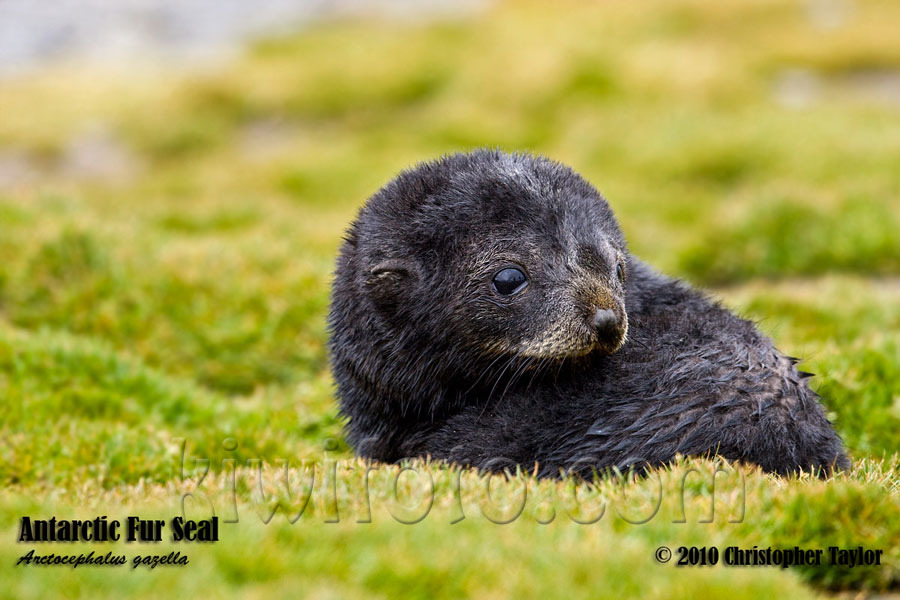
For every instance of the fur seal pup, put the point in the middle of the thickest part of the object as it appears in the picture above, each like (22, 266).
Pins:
(486, 311)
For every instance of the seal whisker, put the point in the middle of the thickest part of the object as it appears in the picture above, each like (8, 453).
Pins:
(484, 372)
(487, 400)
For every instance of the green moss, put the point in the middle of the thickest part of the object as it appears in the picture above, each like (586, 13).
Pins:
(221, 222)
(861, 385)
(186, 298)
(779, 237)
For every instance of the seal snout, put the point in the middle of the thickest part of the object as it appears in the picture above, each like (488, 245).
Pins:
(610, 327)
(606, 323)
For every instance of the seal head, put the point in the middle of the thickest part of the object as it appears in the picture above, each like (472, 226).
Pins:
(475, 263)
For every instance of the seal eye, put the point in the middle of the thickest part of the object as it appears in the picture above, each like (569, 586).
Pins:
(509, 281)
(620, 273)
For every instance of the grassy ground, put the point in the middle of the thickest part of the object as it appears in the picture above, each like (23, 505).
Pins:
(175, 289)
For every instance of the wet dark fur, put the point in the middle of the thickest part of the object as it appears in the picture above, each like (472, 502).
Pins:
(411, 327)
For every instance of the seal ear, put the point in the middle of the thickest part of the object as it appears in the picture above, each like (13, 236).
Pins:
(389, 281)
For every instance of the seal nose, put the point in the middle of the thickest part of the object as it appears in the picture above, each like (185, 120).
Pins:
(605, 322)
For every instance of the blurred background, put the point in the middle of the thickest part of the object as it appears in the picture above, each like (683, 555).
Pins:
(176, 176)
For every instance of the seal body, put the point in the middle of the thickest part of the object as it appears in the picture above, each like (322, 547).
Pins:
(486, 311)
